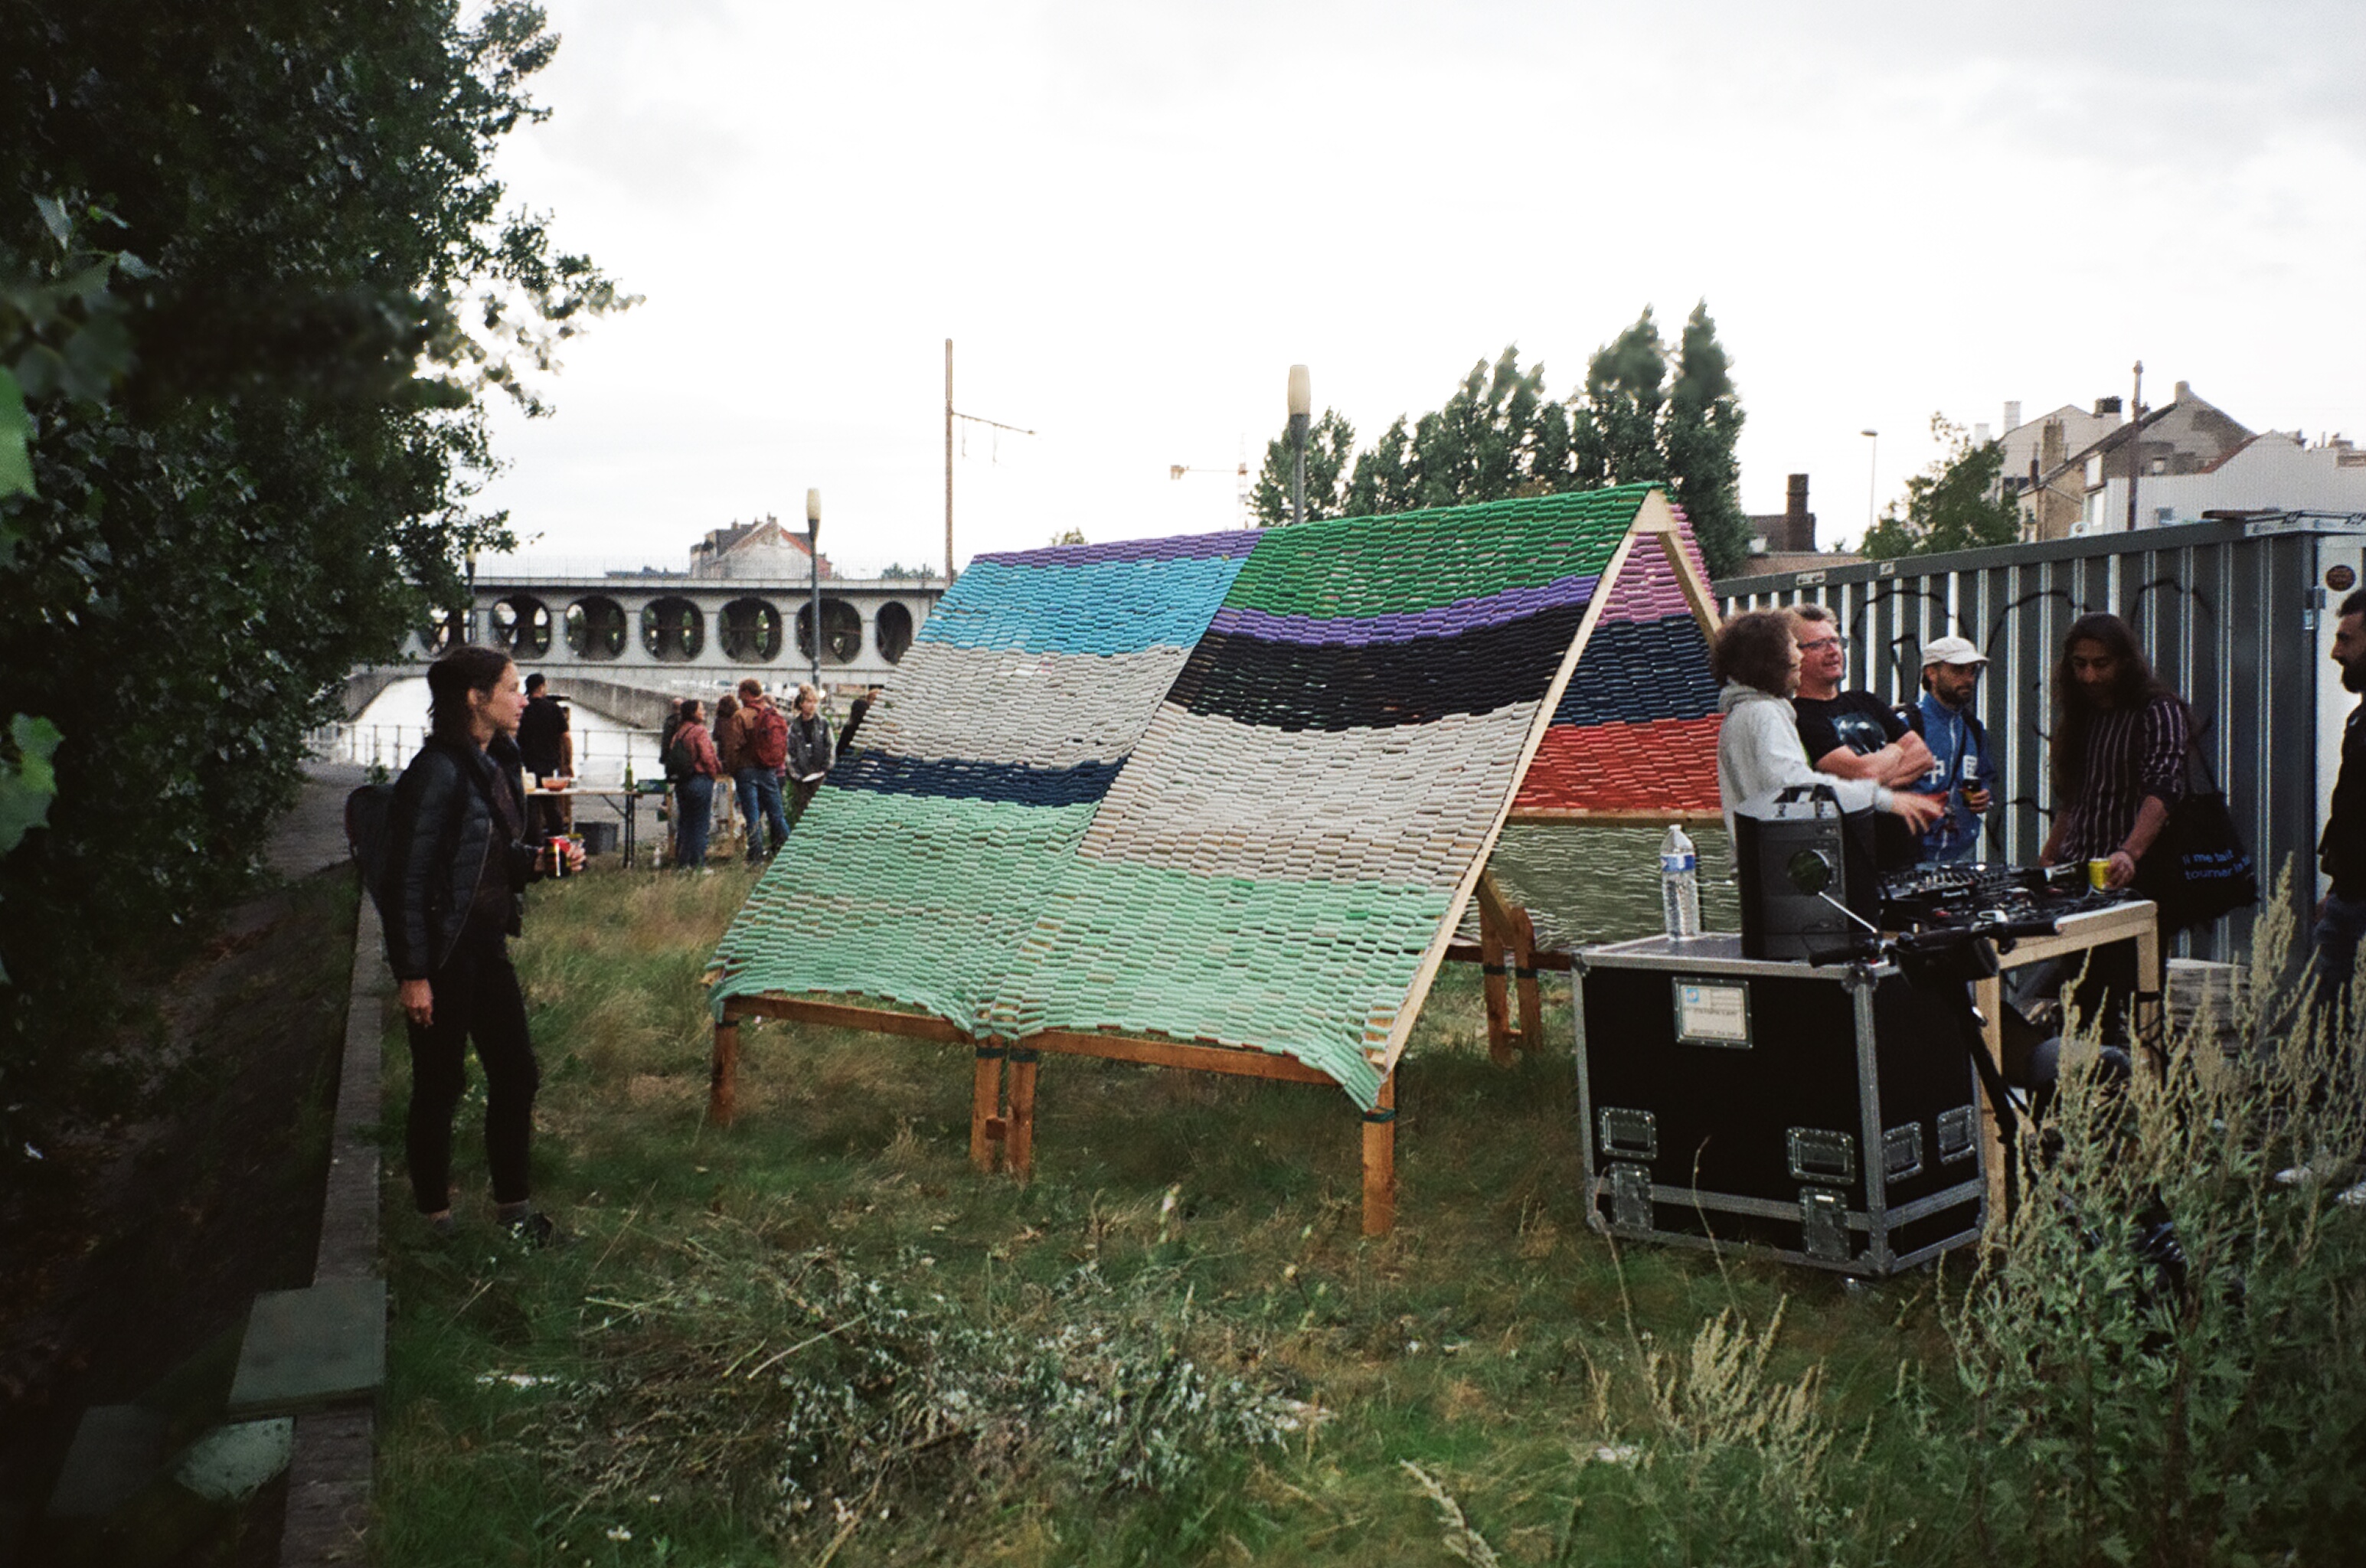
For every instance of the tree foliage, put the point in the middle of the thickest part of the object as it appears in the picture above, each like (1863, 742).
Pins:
(1697, 437)
(1501, 434)
(1951, 506)
(1330, 448)
(1497, 434)
(256, 280)
(1616, 441)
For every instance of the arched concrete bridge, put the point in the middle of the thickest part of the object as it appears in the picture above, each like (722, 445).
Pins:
(641, 630)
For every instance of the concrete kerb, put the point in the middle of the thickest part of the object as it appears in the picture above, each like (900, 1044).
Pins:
(330, 1469)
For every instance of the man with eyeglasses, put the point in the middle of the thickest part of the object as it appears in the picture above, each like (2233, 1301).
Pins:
(1854, 734)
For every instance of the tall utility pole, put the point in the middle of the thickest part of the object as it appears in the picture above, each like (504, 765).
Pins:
(1301, 413)
(1872, 472)
(2135, 442)
(949, 462)
(952, 415)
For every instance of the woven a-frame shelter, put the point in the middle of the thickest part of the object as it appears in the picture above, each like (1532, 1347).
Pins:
(1229, 792)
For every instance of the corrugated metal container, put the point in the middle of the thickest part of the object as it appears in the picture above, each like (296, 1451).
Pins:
(2236, 615)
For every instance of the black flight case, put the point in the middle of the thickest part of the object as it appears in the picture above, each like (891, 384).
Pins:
(1823, 1116)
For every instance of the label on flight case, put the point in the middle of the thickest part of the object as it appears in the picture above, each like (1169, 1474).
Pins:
(1713, 1012)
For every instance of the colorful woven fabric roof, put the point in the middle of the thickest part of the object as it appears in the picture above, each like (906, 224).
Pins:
(1228, 789)
(1636, 731)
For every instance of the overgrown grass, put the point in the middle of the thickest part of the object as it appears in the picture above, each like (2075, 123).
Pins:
(821, 1336)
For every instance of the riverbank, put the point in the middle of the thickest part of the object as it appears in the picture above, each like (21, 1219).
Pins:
(137, 1244)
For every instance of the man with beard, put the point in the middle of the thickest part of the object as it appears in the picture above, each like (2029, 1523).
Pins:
(2341, 851)
(2342, 913)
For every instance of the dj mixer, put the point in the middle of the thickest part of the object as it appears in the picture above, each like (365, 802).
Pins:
(2005, 900)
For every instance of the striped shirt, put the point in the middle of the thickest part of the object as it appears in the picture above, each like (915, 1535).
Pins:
(2131, 753)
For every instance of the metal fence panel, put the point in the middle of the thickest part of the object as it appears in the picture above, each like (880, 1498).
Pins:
(2233, 615)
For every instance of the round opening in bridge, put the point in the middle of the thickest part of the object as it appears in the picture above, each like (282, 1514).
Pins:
(595, 629)
(750, 632)
(672, 630)
(521, 626)
(841, 631)
(893, 631)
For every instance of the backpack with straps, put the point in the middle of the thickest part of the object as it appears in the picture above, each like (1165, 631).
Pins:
(367, 809)
(768, 745)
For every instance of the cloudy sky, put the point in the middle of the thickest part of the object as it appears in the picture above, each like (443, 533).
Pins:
(1132, 218)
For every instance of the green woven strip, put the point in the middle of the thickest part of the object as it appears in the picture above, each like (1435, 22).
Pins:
(1312, 970)
(1419, 561)
(918, 899)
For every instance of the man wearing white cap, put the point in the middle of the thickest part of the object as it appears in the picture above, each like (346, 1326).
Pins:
(1962, 768)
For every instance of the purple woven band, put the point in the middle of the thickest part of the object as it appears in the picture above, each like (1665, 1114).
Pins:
(1182, 546)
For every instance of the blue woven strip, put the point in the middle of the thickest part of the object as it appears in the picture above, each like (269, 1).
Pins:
(1002, 782)
(1635, 672)
(1122, 607)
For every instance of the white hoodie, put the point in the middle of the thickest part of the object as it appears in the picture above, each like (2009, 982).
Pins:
(1758, 751)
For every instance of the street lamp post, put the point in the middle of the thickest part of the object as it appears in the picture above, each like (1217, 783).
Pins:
(469, 631)
(1301, 410)
(813, 546)
(1872, 472)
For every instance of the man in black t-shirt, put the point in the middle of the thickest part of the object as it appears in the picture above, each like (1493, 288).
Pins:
(1854, 734)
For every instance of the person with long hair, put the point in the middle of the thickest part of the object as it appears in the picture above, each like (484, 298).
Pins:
(2117, 753)
(459, 860)
(2118, 757)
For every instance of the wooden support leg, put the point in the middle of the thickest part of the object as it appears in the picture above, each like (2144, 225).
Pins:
(1523, 969)
(1493, 949)
(2148, 1014)
(985, 1123)
(723, 1072)
(1988, 996)
(1380, 1161)
(1019, 1148)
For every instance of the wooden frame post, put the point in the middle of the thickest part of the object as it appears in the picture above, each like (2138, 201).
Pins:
(1380, 1161)
(723, 1071)
(1532, 1035)
(1497, 936)
(1018, 1147)
(985, 1123)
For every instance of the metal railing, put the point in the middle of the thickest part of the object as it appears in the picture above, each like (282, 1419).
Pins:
(598, 752)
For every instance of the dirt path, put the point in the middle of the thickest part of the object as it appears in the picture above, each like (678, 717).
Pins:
(312, 835)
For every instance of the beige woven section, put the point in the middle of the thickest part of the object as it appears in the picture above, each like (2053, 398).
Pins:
(1410, 805)
(1040, 710)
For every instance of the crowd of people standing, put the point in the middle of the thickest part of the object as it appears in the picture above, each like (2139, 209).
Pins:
(771, 762)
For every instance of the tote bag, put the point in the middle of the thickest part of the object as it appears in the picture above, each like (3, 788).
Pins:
(2198, 869)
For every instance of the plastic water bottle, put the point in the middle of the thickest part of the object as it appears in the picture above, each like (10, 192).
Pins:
(1679, 883)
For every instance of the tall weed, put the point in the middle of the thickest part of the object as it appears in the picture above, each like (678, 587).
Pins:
(2126, 1406)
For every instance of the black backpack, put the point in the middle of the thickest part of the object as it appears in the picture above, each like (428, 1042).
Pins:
(367, 809)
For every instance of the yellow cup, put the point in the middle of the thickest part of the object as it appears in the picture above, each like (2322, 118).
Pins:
(2099, 874)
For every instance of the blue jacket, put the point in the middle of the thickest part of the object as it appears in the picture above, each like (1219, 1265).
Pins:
(1960, 759)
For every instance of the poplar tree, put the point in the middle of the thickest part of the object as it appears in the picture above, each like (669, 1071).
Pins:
(1330, 449)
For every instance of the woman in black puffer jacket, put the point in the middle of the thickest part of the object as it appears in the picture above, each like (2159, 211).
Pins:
(458, 859)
